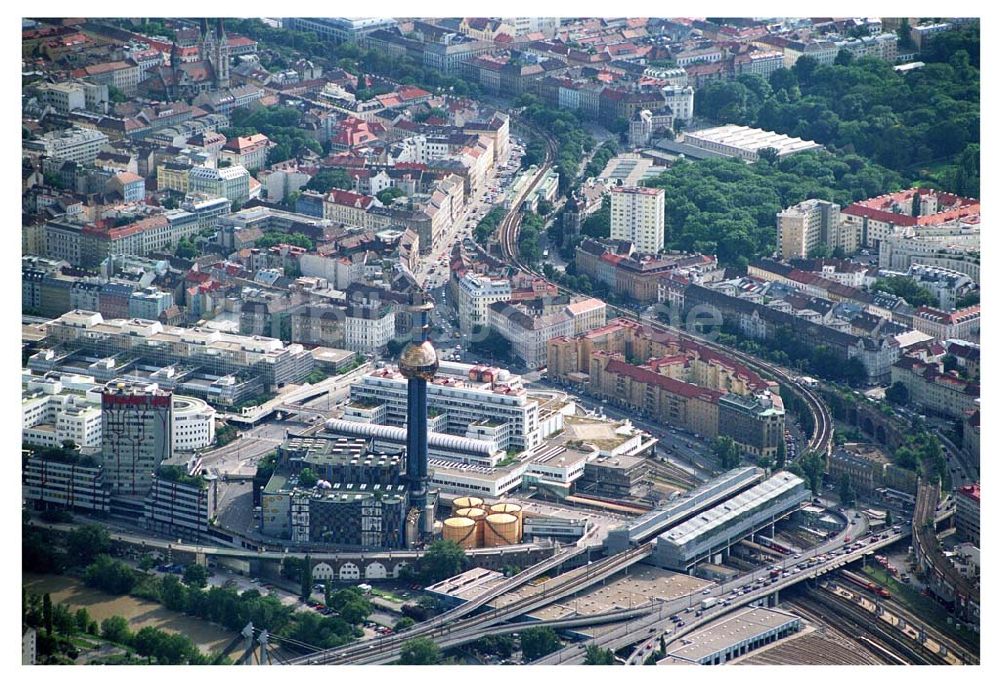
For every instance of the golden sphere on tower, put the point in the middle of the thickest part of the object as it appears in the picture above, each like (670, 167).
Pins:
(419, 360)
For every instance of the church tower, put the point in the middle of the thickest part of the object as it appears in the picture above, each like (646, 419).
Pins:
(220, 62)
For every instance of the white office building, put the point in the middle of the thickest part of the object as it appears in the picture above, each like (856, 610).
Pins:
(680, 99)
(745, 143)
(193, 423)
(465, 394)
(368, 329)
(51, 415)
(73, 144)
(232, 182)
(475, 295)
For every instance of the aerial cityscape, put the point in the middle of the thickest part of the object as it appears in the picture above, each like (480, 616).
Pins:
(500, 341)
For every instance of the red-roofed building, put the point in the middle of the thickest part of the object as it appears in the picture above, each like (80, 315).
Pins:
(962, 324)
(249, 152)
(891, 215)
(123, 75)
(347, 208)
(929, 386)
(667, 400)
(353, 133)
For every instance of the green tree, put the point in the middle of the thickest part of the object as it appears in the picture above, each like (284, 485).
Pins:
(110, 575)
(420, 651)
(83, 620)
(897, 394)
(85, 543)
(727, 452)
(115, 95)
(768, 155)
(847, 496)
(888, 517)
(196, 575)
(305, 579)
(273, 238)
(387, 195)
(496, 645)
(843, 58)
(115, 629)
(185, 249)
(443, 559)
(328, 593)
(538, 642)
(356, 611)
(905, 38)
(812, 466)
(47, 613)
(403, 624)
(598, 656)
(308, 478)
(173, 594)
(147, 562)
(330, 178)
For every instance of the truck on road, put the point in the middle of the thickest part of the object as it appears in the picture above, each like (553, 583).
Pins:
(709, 602)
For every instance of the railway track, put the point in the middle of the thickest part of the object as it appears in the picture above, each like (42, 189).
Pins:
(822, 436)
(444, 625)
(960, 650)
(850, 619)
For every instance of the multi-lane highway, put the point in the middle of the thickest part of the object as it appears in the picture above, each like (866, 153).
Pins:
(453, 621)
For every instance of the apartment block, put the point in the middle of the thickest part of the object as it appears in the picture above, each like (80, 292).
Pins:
(811, 224)
(637, 216)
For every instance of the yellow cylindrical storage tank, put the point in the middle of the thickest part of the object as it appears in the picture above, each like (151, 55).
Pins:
(479, 516)
(513, 510)
(499, 530)
(460, 530)
(465, 502)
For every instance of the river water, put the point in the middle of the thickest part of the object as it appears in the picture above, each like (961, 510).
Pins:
(140, 613)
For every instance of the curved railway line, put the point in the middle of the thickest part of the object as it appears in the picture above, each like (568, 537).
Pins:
(822, 436)
(445, 624)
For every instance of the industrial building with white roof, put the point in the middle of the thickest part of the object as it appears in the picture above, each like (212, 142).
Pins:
(709, 535)
(745, 143)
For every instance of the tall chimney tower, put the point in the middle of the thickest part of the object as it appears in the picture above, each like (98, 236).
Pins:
(418, 363)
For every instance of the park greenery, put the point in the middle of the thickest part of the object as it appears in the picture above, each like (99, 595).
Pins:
(273, 238)
(280, 124)
(907, 289)
(86, 549)
(62, 635)
(727, 207)
(527, 237)
(329, 178)
(567, 129)
(923, 123)
(787, 348)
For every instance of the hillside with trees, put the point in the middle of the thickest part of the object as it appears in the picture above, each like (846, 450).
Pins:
(728, 207)
(923, 123)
